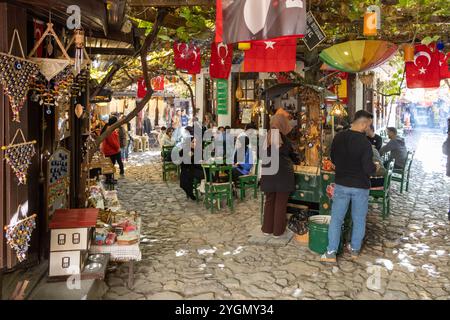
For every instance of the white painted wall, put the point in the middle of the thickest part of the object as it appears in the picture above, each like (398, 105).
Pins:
(359, 95)
(199, 94)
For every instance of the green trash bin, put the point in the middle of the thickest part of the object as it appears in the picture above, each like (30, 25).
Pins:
(318, 234)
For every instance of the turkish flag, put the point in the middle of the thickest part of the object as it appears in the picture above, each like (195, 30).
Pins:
(443, 65)
(273, 55)
(247, 20)
(187, 57)
(424, 71)
(38, 31)
(221, 60)
(142, 89)
(158, 83)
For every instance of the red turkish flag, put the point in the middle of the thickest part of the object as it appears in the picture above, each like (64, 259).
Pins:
(443, 65)
(272, 55)
(221, 60)
(38, 31)
(187, 57)
(423, 72)
(158, 83)
(142, 89)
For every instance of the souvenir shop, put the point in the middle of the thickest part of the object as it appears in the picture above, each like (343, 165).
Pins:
(46, 113)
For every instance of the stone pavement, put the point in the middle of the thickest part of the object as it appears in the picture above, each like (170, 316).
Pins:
(189, 253)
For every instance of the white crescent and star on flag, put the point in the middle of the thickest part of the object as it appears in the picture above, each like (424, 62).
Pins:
(422, 70)
(270, 44)
(220, 46)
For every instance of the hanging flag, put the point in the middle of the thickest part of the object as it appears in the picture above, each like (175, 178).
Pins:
(248, 20)
(187, 57)
(142, 89)
(38, 31)
(221, 60)
(273, 55)
(158, 83)
(443, 65)
(341, 90)
(423, 72)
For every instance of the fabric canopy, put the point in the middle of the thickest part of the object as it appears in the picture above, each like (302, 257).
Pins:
(358, 55)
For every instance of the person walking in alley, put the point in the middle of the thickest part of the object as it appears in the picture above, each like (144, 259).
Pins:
(111, 146)
(123, 138)
(397, 147)
(351, 153)
(446, 151)
(278, 186)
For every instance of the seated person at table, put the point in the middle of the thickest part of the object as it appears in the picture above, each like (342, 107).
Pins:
(374, 139)
(166, 138)
(190, 171)
(397, 147)
(377, 180)
(242, 168)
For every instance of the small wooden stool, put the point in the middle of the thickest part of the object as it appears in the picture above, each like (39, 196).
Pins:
(137, 143)
(145, 144)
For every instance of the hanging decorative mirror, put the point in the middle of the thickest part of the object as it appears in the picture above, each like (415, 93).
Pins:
(16, 74)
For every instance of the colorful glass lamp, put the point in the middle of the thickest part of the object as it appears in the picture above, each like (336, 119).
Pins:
(358, 55)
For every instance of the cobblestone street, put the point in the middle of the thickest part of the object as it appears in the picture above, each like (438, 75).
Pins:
(189, 253)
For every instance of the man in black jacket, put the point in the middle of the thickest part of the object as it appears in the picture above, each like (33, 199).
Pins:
(351, 153)
(374, 139)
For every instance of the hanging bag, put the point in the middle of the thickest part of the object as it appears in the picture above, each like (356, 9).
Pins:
(16, 74)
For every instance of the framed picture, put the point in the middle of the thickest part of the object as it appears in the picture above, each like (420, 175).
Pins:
(285, 96)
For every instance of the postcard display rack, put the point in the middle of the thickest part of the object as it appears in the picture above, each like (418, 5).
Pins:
(117, 231)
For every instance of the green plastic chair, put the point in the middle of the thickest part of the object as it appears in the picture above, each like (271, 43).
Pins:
(249, 181)
(383, 195)
(168, 166)
(402, 175)
(216, 191)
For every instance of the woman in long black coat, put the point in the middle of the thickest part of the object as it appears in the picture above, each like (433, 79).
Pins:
(278, 186)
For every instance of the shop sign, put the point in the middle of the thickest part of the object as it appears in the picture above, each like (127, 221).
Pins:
(314, 33)
(222, 96)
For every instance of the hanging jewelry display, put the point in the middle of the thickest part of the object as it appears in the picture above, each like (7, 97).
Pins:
(58, 179)
(18, 235)
(50, 67)
(18, 156)
(16, 75)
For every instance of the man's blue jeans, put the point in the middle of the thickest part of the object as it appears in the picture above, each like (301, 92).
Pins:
(360, 204)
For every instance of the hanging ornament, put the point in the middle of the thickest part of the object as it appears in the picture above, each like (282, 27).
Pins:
(16, 75)
(50, 68)
(372, 20)
(440, 45)
(79, 46)
(244, 46)
(408, 52)
(18, 235)
(19, 155)
(79, 110)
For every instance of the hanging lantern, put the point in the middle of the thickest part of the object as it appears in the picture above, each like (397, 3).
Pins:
(408, 52)
(244, 46)
(79, 110)
(79, 46)
(338, 110)
(372, 21)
